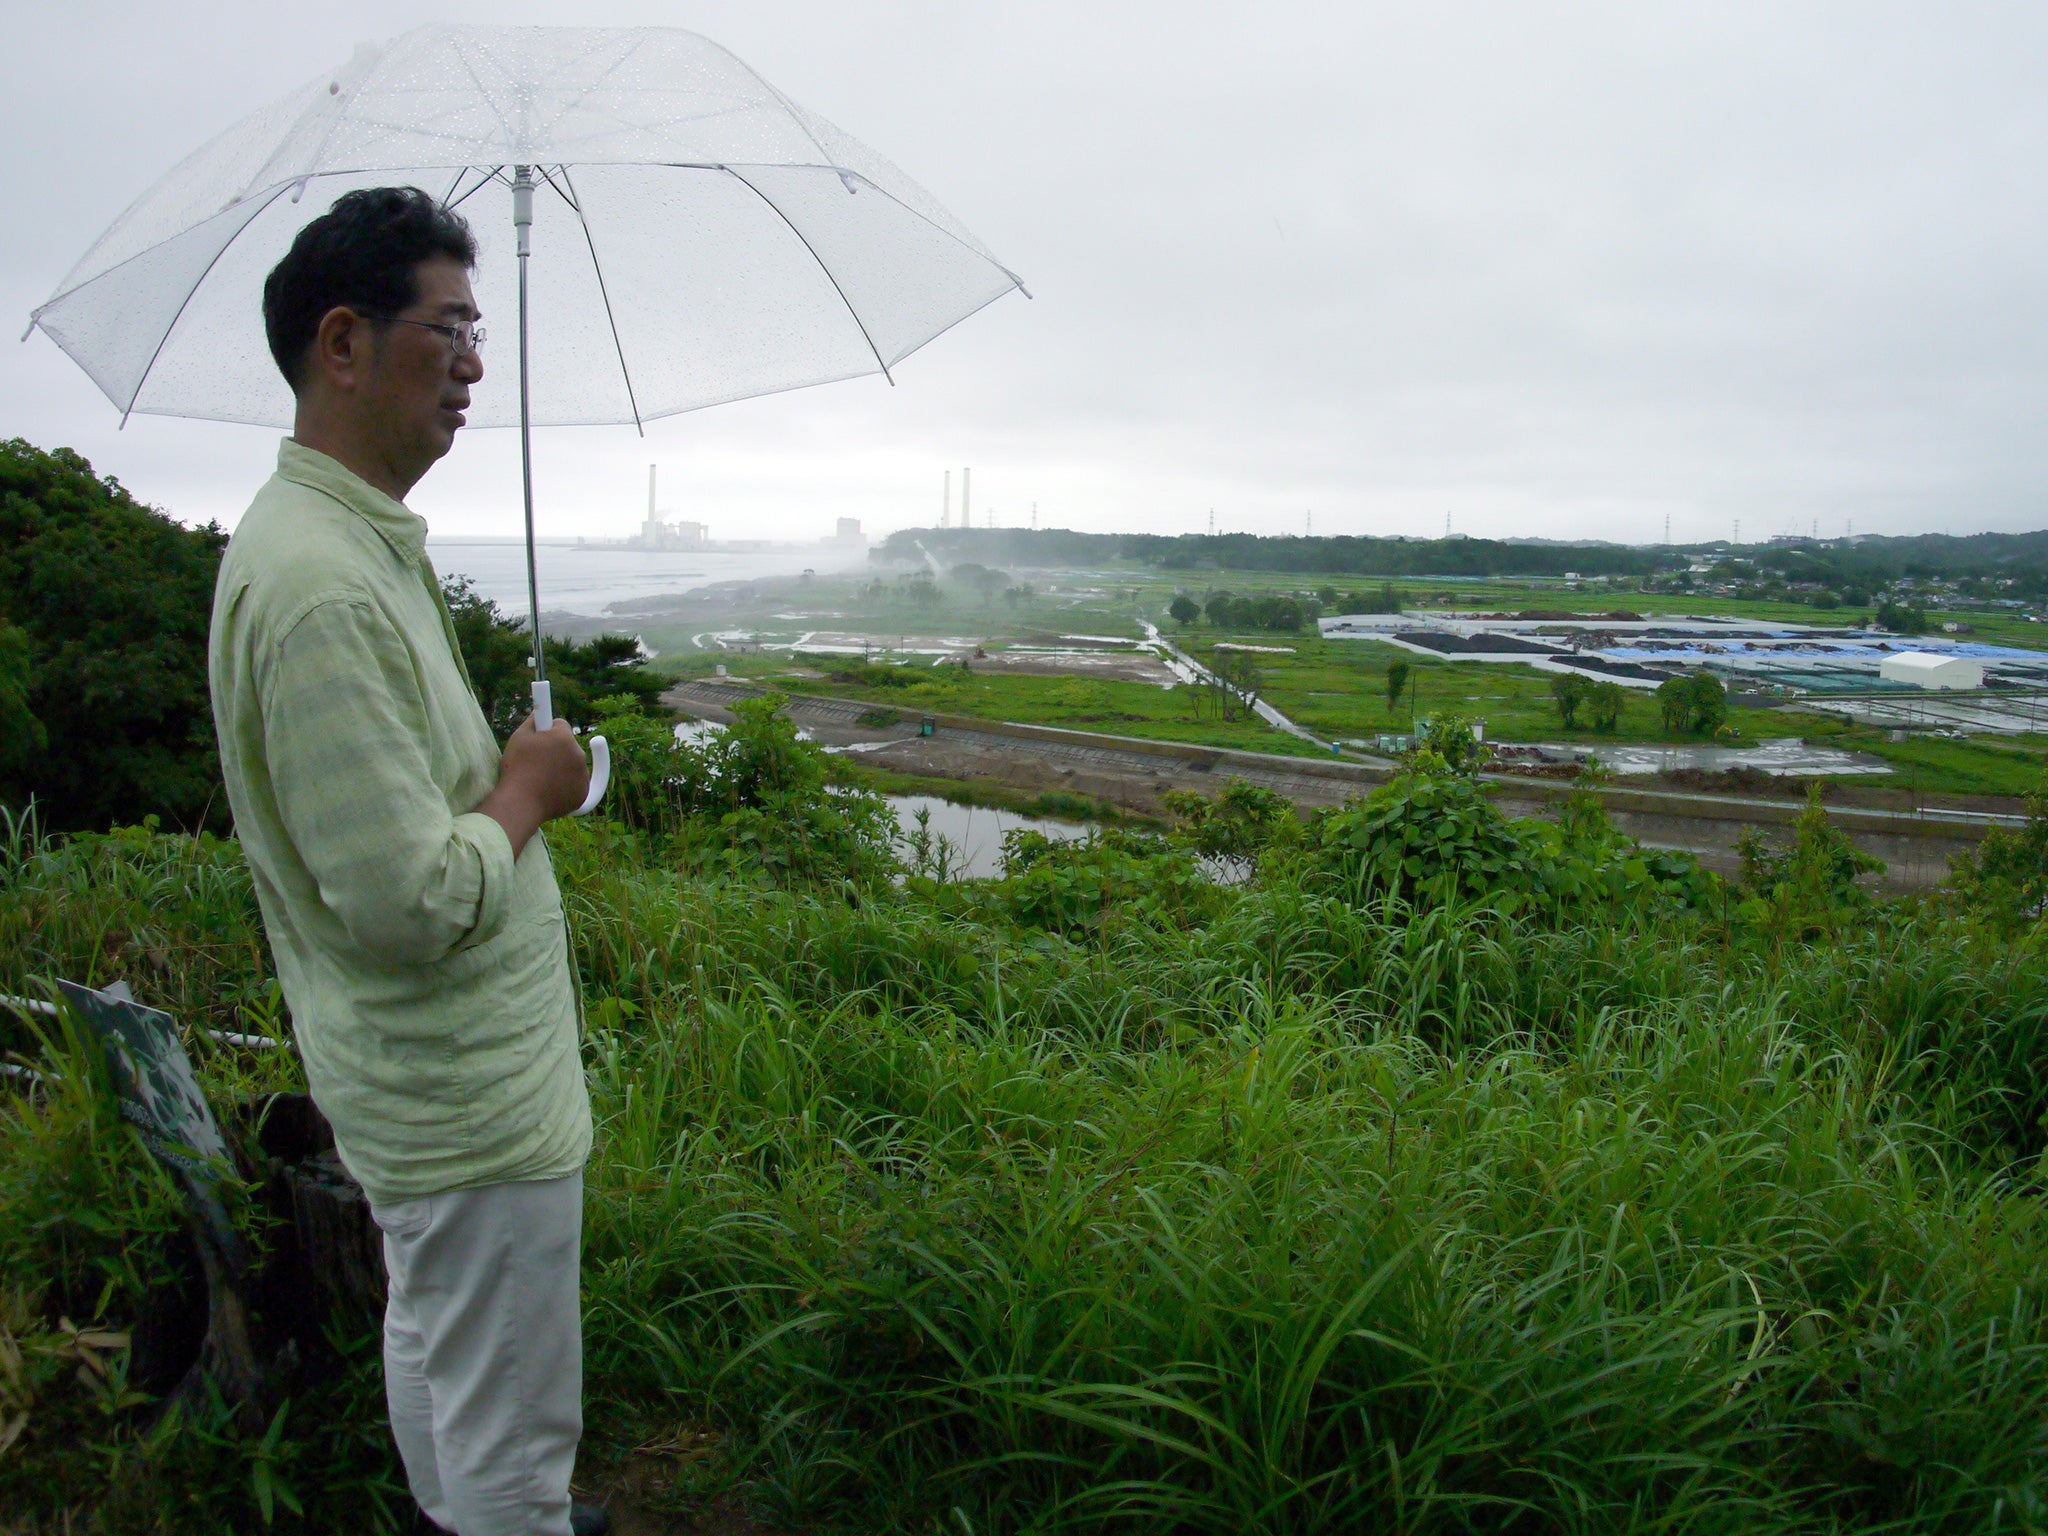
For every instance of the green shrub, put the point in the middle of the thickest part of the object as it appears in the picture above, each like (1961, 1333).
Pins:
(1810, 888)
(754, 798)
(2004, 879)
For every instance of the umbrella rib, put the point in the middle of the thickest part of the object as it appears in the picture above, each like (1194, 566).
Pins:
(797, 116)
(618, 63)
(829, 277)
(129, 409)
(483, 92)
(603, 293)
(495, 173)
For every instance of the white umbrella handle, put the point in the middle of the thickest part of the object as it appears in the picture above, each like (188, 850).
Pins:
(600, 749)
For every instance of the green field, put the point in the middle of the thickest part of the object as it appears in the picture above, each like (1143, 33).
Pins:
(1075, 703)
(1336, 688)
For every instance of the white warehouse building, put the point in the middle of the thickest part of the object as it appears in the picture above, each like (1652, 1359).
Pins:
(1926, 669)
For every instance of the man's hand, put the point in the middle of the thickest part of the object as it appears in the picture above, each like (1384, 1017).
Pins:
(542, 775)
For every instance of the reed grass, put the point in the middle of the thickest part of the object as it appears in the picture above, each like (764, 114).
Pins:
(1306, 1216)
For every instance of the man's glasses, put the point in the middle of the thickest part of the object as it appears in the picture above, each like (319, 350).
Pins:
(465, 336)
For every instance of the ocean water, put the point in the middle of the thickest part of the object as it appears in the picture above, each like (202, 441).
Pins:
(591, 581)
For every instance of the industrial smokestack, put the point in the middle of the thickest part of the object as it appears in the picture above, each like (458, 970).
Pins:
(650, 493)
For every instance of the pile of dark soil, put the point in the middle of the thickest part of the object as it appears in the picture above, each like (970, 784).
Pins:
(1468, 645)
(1741, 781)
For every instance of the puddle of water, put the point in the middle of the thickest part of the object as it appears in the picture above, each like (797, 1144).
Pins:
(976, 832)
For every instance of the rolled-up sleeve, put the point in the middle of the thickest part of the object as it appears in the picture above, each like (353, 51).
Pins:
(345, 727)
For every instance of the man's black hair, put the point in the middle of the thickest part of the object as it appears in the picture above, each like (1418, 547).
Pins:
(360, 254)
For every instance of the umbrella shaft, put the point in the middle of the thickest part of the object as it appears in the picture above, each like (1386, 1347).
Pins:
(540, 666)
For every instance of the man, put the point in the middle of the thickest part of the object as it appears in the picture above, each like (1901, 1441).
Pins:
(408, 896)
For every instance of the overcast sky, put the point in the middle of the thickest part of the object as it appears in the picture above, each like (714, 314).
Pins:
(1551, 269)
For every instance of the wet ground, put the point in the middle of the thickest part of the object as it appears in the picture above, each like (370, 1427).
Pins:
(1915, 846)
(1791, 755)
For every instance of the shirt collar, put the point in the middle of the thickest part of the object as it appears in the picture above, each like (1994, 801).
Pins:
(400, 527)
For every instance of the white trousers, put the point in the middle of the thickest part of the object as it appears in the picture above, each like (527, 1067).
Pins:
(483, 1352)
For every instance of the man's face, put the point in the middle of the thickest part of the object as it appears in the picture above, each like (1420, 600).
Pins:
(417, 387)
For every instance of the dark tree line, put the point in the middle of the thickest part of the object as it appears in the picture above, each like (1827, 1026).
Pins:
(1867, 564)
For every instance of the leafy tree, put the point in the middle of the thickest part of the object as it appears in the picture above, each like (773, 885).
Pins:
(1326, 595)
(1709, 701)
(1674, 703)
(498, 654)
(1236, 681)
(1398, 673)
(1901, 618)
(22, 737)
(1183, 610)
(1018, 595)
(979, 578)
(1604, 703)
(1386, 600)
(1695, 705)
(1268, 611)
(1569, 691)
(114, 599)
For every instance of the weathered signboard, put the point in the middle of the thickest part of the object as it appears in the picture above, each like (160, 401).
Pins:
(159, 1095)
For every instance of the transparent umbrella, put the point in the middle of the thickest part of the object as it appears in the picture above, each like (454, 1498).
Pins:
(681, 232)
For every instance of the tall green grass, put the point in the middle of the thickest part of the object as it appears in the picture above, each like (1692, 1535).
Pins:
(1299, 1217)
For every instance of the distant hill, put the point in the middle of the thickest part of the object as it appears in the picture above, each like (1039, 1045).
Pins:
(1870, 561)
(1340, 555)
(1922, 555)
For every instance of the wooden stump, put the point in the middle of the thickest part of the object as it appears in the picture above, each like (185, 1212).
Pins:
(267, 1315)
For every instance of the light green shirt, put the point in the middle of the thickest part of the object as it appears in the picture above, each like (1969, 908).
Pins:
(426, 970)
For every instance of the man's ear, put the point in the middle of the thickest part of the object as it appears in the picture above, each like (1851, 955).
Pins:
(340, 353)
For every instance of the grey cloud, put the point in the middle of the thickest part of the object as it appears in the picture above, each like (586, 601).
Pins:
(1558, 269)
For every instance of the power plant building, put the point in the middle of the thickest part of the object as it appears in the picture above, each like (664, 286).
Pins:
(656, 534)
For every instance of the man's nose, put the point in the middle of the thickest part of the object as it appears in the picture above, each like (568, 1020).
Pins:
(469, 366)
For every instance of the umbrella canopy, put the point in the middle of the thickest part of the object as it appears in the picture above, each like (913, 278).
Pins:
(698, 237)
